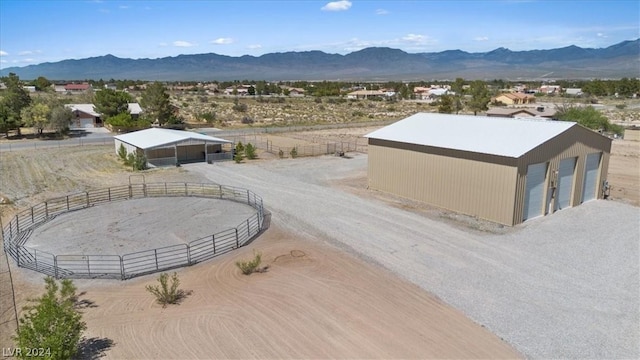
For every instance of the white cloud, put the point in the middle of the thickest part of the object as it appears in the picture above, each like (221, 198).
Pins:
(341, 5)
(3, 53)
(29, 52)
(256, 46)
(481, 38)
(222, 41)
(382, 12)
(124, 7)
(414, 38)
(601, 35)
(180, 43)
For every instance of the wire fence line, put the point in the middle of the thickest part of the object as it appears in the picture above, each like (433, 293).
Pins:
(21, 226)
(329, 148)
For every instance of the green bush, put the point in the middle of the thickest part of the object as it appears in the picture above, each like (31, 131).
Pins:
(280, 154)
(167, 292)
(294, 152)
(53, 323)
(122, 152)
(251, 266)
(239, 153)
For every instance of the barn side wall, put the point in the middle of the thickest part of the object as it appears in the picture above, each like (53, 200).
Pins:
(470, 183)
(576, 142)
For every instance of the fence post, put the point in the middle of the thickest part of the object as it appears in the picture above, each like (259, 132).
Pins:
(32, 220)
(220, 186)
(18, 254)
(248, 229)
(186, 191)
(35, 255)
(165, 189)
(237, 241)
(67, 202)
(121, 268)
(88, 266)
(213, 241)
(144, 189)
(46, 210)
(155, 251)
(55, 266)
(109, 191)
(88, 199)
(17, 225)
(130, 192)
(248, 198)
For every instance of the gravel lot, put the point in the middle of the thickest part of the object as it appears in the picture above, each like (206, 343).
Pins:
(563, 286)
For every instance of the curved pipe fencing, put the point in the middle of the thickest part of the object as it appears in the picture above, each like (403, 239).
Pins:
(127, 266)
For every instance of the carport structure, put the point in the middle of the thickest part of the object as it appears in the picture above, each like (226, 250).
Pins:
(166, 147)
(499, 169)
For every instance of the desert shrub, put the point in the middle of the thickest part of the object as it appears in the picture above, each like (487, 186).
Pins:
(131, 159)
(208, 116)
(239, 107)
(294, 152)
(280, 154)
(391, 109)
(139, 162)
(621, 106)
(167, 292)
(250, 151)
(251, 266)
(318, 100)
(357, 113)
(247, 120)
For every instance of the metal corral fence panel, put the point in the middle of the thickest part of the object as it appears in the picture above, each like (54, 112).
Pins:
(17, 232)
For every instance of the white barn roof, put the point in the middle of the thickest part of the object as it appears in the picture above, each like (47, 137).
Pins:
(156, 137)
(488, 135)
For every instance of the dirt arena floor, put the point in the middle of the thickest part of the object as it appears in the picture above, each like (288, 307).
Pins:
(314, 301)
(624, 171)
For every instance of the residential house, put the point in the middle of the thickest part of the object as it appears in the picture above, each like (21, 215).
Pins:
(520, 112)
(550, 89)
(366, 94)
(515, 99)
(86, 116)
(77, 88)
(573, 92)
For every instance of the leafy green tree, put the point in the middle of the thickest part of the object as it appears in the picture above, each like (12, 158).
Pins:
(15, 98)
(7, 122)
(122, 119)
(60, 119)
(480, 96)
(156, 104)
(586, 116)
(110, 102)
(446, 104)
(42, 83)
(53, 322)
(36, 115)
(239, 152)
(251, 90)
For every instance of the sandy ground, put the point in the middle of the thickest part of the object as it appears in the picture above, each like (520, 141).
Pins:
(314, 301)
(624, 171)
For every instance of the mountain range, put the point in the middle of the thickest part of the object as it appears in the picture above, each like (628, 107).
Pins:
(370, 64)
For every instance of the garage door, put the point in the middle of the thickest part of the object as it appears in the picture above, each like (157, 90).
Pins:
(591, 177)
(565, 183)
(86, 123)
(534, 190)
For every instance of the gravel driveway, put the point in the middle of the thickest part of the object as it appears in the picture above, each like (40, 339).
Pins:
(562, 286)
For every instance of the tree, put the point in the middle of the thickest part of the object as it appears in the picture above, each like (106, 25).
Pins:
(53, 322)
(586, 116)
(15, 98)
(251, 90)
(37, 116)
(42, 83)
(60, 119)
(446, 104)
(7, 122)
(479, 97)
(111, 102)
(156, 104)
(239, 153)
(250, 151)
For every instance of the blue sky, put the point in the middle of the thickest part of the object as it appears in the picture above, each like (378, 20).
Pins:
(34, 31)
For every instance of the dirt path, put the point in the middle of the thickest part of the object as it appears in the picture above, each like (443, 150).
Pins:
(314, 302)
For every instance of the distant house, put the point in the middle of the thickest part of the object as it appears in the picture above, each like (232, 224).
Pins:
(515, 99)
(86, 116)
(431, 92)
(293, 91)
(238, 90)
(365, 94)
(520, 112)
(573, 92)
(77, 88)
(30, 89)
(550, 89)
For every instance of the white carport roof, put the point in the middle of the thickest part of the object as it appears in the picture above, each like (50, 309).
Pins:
(156, 137)
(507, 137)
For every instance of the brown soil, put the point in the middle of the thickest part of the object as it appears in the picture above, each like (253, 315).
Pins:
(624, 171)
(312, 302)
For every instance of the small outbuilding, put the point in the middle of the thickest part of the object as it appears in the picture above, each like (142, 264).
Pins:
(500, 169)
(164, 147)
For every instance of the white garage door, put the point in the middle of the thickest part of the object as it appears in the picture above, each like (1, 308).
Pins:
(534, 190)
(591, 177)
(565, 183)
(86, 123)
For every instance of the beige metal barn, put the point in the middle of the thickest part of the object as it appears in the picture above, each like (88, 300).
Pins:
(499, 169)
(164, 147)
